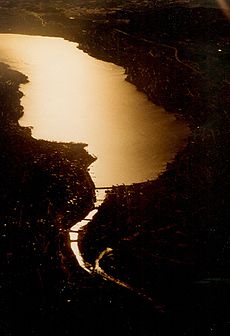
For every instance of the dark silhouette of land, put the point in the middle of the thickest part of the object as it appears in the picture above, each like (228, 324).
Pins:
(170, 237)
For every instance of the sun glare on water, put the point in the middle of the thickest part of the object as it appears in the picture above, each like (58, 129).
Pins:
(72, 96)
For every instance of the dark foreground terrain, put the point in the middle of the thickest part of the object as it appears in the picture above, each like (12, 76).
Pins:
(170, 237)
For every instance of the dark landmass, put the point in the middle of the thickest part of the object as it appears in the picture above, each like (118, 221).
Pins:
(170, 237)
(45, 189)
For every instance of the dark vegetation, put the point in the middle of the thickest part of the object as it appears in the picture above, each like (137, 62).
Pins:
(170, 237)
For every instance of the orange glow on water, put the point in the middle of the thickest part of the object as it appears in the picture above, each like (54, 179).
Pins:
(74, 97)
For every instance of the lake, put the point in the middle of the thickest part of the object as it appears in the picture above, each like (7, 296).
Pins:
(73, 97)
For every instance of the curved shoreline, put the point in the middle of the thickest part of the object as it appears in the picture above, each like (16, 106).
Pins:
(34, 192)
(193, 190)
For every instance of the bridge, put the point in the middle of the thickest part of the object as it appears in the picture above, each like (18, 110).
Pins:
(103, 188)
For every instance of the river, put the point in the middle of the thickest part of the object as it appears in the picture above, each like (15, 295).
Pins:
(72, 96)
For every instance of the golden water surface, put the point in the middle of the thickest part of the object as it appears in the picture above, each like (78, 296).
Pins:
(72, 96)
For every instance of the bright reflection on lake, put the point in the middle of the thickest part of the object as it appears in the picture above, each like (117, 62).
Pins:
(74, 97)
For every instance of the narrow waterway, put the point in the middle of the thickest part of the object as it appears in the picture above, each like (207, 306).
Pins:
(72, 96)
